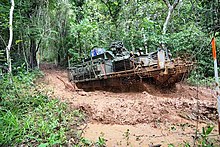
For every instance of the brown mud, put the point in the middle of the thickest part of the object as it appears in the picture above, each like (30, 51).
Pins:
(138, 118)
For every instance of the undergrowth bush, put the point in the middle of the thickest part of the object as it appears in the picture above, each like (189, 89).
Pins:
(204, 139)
(199, 79)
(29, 117)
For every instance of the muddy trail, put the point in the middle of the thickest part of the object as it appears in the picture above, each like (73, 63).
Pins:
(137, 118)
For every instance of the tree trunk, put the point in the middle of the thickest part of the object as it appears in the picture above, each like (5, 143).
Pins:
(170, 11)
(24, 54)
(33, 59)
(80, 45)
(59, 57)
(8, 48)
(167, 20)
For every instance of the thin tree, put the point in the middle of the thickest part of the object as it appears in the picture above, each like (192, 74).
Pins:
(8, 48)
(170, 12)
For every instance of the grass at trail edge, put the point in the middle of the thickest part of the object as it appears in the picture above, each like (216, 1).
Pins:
(29, 117)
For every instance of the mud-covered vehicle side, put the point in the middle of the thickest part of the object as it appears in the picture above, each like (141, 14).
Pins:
(118, 67)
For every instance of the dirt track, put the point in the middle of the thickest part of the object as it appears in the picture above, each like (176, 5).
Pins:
(138, 119)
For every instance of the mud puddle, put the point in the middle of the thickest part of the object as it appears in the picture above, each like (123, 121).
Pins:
(138, 118)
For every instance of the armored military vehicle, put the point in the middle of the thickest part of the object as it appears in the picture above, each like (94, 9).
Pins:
(117, 67)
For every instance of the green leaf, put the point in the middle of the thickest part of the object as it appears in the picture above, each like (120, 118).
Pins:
(187, 145)
(171, 145)
(43, 145)
(116, 3)
(85, 141)
(18, 41)
(209, 130)
(203, 131)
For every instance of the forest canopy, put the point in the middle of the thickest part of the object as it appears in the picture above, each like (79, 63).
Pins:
(55, 30)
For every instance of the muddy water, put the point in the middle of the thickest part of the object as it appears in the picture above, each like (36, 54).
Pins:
(138, 119)
(139, 135)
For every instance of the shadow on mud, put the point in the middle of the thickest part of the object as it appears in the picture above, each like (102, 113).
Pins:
(148, 87)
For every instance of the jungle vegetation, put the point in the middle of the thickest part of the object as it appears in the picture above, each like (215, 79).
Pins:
(58, 30)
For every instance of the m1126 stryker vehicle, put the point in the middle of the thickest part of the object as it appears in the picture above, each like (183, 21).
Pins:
(120, 68)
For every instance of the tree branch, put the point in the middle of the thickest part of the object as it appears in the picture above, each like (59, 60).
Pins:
(171, 6)
(38, 45)
(3, 41)
(108, 6)
(167, 3)
(176, 2)
(170, 11)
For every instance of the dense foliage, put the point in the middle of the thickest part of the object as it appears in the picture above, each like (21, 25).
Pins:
(30, 117)
(55, 30)
(58, 30)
